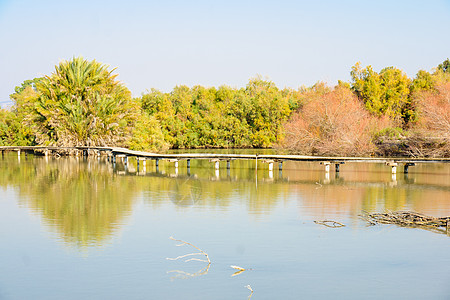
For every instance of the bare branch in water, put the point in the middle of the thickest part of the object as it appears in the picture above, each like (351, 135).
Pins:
(237, 268)
(183, 274)
(329, 223)
(251, 290)
(187, 243)
(183, 256)
(409, 219)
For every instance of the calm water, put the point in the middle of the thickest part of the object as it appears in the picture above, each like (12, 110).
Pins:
(79, 229)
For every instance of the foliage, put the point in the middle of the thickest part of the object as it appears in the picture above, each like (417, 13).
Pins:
(424, 81)
(27, 83)
(444, 66)
(80, 104)
(147, 135)
(432, 133)
(335, 123)
(222, 117)
(388, 133)
(12, 132)
(384, 93)
(6, 130)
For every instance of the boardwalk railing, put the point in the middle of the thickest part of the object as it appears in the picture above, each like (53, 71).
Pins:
(124, 154)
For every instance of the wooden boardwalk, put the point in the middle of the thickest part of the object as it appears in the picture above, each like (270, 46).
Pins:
(124, 154)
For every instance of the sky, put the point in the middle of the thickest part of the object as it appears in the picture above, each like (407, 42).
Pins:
(162, 44)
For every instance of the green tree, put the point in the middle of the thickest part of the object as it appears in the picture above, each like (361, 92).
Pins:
(222, 117)
(80, 104)
(24, 99)
(424, 81)
(6, 132)
(147, 135)
(384, 93)
(444, 66)
(27, 83)
(267, 111)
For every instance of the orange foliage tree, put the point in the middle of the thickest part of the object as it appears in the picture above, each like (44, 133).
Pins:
(336, 123)
(432, 131)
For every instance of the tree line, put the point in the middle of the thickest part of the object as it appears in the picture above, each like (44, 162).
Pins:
(383, 113)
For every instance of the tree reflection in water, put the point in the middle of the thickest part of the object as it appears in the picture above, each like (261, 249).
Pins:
(87, 201)
(79, 199)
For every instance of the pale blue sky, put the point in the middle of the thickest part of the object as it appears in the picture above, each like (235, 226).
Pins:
(161, 44)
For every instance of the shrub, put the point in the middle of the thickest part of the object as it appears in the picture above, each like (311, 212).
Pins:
(431, 136)
(335, 123)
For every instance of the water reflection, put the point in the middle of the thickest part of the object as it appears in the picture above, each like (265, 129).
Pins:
(79, 199)
(370, 187)
(87, 201)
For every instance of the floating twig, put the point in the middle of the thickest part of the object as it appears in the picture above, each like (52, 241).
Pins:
(330, 223)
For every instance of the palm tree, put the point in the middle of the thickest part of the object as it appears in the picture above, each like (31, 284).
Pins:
(82, 104)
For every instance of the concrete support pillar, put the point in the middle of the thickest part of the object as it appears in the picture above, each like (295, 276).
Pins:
(188, 167)
(175, 161)
(280, 166)
(327, 166)
(406, 167)
(271, 166)
(393, 166)
(18, 153)
(228, 164)
(327, 176)
(216, 163)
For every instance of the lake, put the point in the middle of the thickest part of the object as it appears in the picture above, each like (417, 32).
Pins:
(80, 229)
